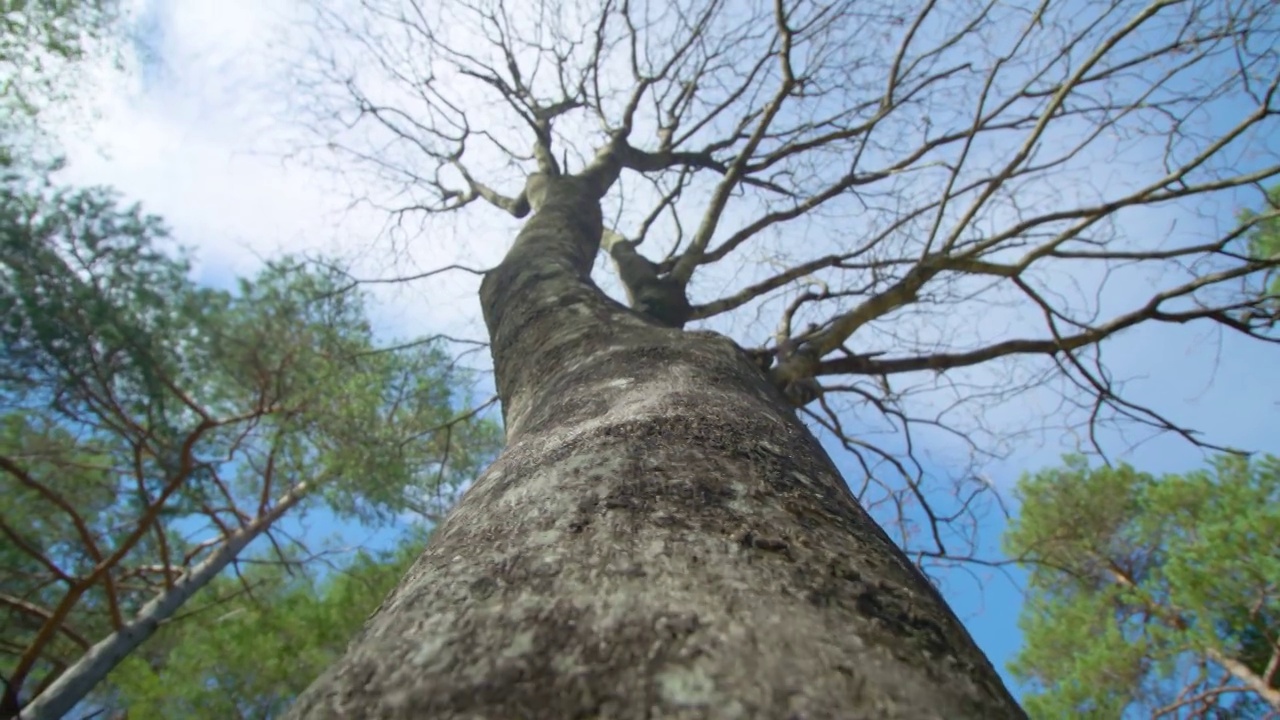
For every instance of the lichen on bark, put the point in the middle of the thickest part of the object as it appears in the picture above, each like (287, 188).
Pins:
(660, 538)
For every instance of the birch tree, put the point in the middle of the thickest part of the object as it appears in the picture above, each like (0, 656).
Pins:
(914, 219)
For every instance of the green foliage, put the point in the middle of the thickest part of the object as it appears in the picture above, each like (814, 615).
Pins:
(1264, 242)
(259, 642)
(1144, 590)
(145, 418)
(43, 45)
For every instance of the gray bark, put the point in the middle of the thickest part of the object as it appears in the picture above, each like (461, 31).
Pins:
(661, 538)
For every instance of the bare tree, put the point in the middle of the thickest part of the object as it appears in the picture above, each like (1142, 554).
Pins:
(912, 215)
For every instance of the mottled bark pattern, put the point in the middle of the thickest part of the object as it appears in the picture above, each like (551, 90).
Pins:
(661, 538)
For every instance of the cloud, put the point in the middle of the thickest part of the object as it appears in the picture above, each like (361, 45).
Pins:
(197, 134)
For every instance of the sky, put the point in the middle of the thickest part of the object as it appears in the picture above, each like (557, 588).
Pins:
(193, 136)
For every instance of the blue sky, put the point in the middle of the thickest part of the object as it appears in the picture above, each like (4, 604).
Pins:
(190, 137)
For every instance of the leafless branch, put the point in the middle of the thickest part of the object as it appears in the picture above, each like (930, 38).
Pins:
(914, 215)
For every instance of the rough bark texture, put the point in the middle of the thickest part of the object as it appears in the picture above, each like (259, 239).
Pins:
(661, 538)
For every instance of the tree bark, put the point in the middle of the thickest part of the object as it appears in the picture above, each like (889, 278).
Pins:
(660, 538)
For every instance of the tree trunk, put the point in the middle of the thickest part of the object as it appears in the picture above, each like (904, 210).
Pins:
(661, 538)
(78, 680)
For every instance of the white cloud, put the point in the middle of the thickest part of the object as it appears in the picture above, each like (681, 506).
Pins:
(197, 136)
(191, 140)
(194, 141)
